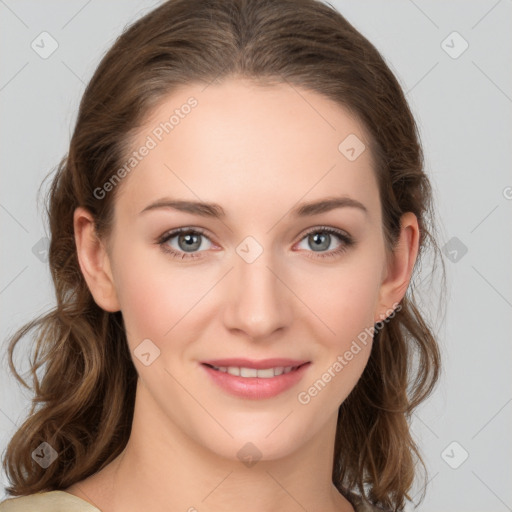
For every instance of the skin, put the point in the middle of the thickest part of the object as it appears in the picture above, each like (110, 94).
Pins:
(258, 152)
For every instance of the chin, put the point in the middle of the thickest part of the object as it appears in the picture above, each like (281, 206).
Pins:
(258, 440)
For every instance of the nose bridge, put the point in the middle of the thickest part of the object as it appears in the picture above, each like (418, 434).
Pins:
(258, 302)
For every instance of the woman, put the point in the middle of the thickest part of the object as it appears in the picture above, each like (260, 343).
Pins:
(234, 232)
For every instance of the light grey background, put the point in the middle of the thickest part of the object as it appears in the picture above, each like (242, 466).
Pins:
(463, 105)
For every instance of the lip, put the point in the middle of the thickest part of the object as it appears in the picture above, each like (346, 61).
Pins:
(262, 364)
(255, 388)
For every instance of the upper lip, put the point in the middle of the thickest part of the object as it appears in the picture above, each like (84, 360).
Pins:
(251, 363)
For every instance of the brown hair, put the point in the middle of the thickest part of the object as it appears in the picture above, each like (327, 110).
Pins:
(86, 396)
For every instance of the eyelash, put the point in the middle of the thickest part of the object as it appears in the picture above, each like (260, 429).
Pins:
(346, 240)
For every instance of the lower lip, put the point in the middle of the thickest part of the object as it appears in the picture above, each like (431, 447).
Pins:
(253, 387)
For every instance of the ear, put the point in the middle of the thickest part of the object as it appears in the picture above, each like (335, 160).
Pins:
(94, 261)
(398, 271)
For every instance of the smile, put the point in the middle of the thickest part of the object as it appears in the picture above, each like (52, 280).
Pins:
(266, 373)
(255, 383)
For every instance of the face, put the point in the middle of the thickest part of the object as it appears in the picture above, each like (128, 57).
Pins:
(259, 276)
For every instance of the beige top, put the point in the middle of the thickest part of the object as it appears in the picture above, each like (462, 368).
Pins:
(51, 501)
(62, 501)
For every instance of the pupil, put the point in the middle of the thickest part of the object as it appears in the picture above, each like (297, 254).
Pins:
(190, 243)
(318, 238)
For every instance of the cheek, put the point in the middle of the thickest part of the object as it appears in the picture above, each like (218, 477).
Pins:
(156, 297)
(144, 294)
(345, 298)
(347, 312)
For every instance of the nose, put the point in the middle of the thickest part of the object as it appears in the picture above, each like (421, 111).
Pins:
(258, 302)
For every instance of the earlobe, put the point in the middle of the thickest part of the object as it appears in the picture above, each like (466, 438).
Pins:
(400, 266)
(94, 261)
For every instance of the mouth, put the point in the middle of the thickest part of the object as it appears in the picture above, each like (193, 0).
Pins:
(255, 379)
(261, 373)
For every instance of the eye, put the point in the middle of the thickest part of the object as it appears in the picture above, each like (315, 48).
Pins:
(320, 239)
(187, 240)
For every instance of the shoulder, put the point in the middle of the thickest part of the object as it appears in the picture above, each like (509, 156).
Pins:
(51, 501)
(359, 504)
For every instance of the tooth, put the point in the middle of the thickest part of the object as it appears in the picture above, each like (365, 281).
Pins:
(266, 374)
(248, 372)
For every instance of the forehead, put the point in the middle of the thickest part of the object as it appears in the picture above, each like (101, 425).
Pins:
(247, 147)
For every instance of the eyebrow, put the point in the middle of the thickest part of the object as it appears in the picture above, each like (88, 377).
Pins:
(216, 211)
